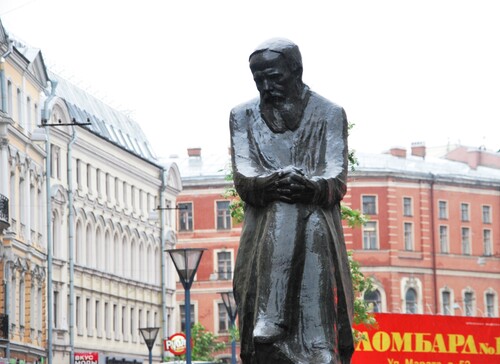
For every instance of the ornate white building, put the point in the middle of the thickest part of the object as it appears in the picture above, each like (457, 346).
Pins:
(99, 273)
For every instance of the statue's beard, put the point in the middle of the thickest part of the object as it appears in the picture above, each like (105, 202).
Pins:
(283, 114)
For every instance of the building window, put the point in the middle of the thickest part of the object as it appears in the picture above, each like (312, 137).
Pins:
(132, 324)
(369, 205)
(370, 236)
(9, 98)
(29, 115)
(125, 338)
(446, 302)
(223, 215)
(20, 108)
(223, 318)
(490, 304)
(77, 315)
(443, 239)
(106, 320)
(466, 241)
(186, 216)
(115, 319)
(411, 301)
(89, 177)
(469, 303)
(487, 250)
(443, 210)
(183, 316)
(373, 298)
(464, 212)
(407, 206)
(487, 214)
(88, 317)
(55, 308)
(224, 265)
(408, 232)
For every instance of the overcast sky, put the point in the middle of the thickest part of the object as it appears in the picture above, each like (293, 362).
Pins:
(405, 71)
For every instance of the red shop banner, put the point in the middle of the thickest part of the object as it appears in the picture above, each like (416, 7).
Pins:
(87, 358)
(428, 339)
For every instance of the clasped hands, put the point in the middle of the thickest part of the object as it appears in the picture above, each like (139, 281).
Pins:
(288, 185)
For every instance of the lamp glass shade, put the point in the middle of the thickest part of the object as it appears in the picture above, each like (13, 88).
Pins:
(149, 334)
(230, 303)
(186, 262)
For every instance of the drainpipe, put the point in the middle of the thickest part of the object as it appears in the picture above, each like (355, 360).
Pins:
(433, 244)
(48, 157)
(2, 75)
(162, 252)
(71, 243)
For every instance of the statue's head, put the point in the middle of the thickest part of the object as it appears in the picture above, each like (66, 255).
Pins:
(276, 66)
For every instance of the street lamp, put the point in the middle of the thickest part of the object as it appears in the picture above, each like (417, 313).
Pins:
(149, 334)
(230, 304)
(186, 263)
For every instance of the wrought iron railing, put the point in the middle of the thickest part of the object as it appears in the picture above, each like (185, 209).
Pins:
(4, 209)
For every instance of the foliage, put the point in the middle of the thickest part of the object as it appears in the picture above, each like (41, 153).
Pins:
(204, 344)
(362, 309)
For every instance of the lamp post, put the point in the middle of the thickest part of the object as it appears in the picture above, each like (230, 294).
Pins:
(186, 263)
(149, 334)
(230, 304)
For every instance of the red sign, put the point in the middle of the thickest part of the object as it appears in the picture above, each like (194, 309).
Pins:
(426, 339)
(176, 344)
(86, 358)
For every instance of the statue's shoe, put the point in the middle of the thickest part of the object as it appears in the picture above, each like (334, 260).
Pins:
(266, 332)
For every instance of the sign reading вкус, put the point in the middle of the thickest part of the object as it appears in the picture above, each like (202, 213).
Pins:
(87, 358)
(427, 339)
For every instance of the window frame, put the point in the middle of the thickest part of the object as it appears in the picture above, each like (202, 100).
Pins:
(369, 207)
(223, 215)
(443, 210)
(188, 212)
(464, 212)
(407, 206)
(409, 240)
(375, 236)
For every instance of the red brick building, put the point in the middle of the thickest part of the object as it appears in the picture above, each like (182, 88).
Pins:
(431, 245)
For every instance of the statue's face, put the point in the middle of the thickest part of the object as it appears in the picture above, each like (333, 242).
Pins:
(272, 76)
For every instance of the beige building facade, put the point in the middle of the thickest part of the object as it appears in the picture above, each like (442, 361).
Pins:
(22, 188)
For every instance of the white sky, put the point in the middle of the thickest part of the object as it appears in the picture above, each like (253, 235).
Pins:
(405, 71)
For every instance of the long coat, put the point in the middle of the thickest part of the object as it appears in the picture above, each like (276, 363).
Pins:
(292, 262)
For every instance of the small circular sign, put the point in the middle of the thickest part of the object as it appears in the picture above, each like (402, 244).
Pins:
(176, 344)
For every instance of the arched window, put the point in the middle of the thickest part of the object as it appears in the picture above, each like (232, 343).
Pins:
(108, 253)
(78, 243)
(89, 237)
(56, 235)
(143, 262)
(157, 271)
(98, 249)
(134, 273)
(117, 252)
(411, 301)
(374, 299)
(126, 257)
(151, 265)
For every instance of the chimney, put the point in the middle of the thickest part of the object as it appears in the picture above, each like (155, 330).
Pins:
(194, 152)
(473, 158)
(418, 149)
(398, 152)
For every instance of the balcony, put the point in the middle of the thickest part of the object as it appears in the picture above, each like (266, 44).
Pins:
(4, 213)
